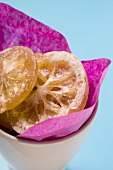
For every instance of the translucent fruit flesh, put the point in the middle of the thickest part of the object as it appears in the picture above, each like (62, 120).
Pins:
(17, 76)
(64, 86)
(61, 88)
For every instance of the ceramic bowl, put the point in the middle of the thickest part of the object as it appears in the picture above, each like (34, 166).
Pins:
(46, 155)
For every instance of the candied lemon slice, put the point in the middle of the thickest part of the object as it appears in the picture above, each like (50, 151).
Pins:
(24, 115)
(64, 86)
(17, 76)
(61, 88)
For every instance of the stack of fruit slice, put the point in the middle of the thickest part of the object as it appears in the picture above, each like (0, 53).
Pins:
(35, 87)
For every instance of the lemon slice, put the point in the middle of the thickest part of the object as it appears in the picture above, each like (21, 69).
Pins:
(62, 84)
(17, 76)
(24, 115)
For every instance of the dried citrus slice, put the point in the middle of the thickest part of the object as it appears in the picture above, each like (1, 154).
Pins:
(17, 76)
(61, 88)
(63, 84)
(24, 115)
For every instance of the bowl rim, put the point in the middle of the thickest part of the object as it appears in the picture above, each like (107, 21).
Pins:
(52, 142)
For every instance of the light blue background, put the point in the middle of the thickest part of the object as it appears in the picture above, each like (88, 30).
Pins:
(88, 28)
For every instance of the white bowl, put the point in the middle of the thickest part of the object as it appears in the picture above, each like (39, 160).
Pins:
(51, 155)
